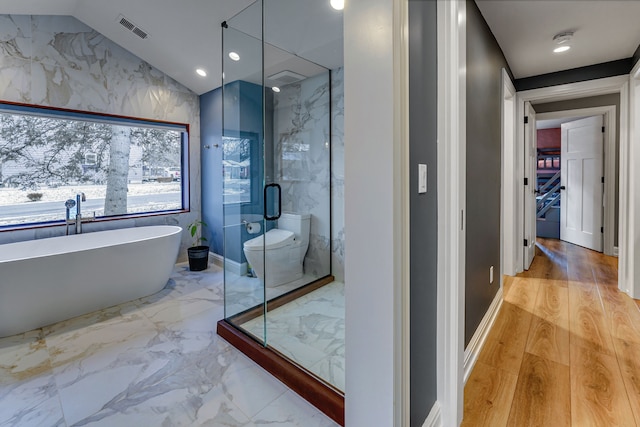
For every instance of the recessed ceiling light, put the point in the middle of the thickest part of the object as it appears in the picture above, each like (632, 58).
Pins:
(337, 4)
(201, 72)
(562, 41)
(234, 56)
(276, 89)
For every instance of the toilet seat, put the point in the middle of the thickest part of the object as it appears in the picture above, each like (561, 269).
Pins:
(276, 238)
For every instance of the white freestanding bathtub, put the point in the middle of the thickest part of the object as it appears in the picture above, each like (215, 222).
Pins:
(48, 280)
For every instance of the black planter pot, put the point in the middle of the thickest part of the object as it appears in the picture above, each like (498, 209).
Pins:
(198, 258)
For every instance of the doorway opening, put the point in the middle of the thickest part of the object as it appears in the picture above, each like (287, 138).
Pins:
(570, 180)
(594, 211)
(577, 96)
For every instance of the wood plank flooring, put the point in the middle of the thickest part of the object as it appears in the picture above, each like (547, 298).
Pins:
(564, 349)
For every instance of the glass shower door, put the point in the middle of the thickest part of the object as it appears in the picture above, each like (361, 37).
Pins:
(243, 175)
(277, 184)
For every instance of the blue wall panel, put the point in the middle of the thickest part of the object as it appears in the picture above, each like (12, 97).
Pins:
(243, 117)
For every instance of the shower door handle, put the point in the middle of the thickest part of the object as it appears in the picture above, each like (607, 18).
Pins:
(266, 212)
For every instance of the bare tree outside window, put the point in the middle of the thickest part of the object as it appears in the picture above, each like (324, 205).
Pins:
(236, 169)
(123, 168)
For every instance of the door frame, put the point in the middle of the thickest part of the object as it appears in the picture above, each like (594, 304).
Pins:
(529, 186)
(609, 122)
(608, 85)
(452, 119)
(508, 199)
(627, 273)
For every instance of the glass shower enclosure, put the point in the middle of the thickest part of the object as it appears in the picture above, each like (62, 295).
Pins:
(276, 175)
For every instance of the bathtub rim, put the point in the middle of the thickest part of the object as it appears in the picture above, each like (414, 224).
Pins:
(96, 244)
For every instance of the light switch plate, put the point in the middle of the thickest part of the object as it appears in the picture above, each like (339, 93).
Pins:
(422, 178)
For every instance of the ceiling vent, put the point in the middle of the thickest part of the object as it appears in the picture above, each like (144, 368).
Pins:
(563, 38)
(130, 26)
(286, 77)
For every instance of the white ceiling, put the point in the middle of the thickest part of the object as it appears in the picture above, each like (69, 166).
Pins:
(603, 31)
(185, 35)
(309, 29)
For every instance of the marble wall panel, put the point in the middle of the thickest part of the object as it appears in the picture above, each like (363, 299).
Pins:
(15, 50)
(302, 161)
(309, 162)
(58, 61)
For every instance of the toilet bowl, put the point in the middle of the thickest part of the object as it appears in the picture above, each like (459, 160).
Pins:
(283, 250)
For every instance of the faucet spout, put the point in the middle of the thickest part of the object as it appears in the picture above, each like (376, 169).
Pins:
(80, 197)
(69, 204)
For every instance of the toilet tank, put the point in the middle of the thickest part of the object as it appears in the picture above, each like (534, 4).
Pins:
(298, 223)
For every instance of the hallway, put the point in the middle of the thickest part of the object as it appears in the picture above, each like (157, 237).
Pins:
(564, 349)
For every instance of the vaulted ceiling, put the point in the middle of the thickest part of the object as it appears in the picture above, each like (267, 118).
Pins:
(185, 35)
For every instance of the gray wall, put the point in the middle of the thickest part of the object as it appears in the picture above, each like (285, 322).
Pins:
(597, 71)
(485, 61)
(593, 101)
(424, 220)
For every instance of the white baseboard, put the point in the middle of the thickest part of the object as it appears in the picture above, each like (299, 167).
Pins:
(216, 259)
(231, 266)
(435, 416)
(615, 251)
(477, 341)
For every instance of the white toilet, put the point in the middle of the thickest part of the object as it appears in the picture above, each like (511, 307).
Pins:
(285, 249)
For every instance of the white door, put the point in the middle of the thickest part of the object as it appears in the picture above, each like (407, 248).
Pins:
(530, 185)
(581, 179)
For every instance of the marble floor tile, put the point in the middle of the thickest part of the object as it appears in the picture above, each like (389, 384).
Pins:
(185, 314)
(32, 402)
(331, 368)
(243, 292)
(250, 387)
(185, 282)
(23, 356)
(93, 369)
(156, 361)
(28, 393)
(290, 410)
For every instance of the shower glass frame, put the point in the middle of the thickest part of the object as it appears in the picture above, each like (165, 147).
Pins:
(247, 95)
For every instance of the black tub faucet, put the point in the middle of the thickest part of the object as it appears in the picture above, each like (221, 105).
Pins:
(80, 197)
(69, 204)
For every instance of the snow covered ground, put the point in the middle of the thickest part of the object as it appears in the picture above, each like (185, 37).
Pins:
(16, 208)
(15, 196)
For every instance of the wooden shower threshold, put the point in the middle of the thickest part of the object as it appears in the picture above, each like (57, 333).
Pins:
(310, 387)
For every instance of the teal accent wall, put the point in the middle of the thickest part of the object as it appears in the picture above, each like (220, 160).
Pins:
(243, 116)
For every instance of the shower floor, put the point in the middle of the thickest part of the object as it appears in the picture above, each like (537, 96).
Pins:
(309, 331)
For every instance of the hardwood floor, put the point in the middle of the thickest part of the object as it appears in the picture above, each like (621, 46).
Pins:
(564, 349)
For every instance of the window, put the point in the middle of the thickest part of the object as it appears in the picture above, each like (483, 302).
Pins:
(296, 161)
(123, 166)
(90, 159)
(236, 169)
